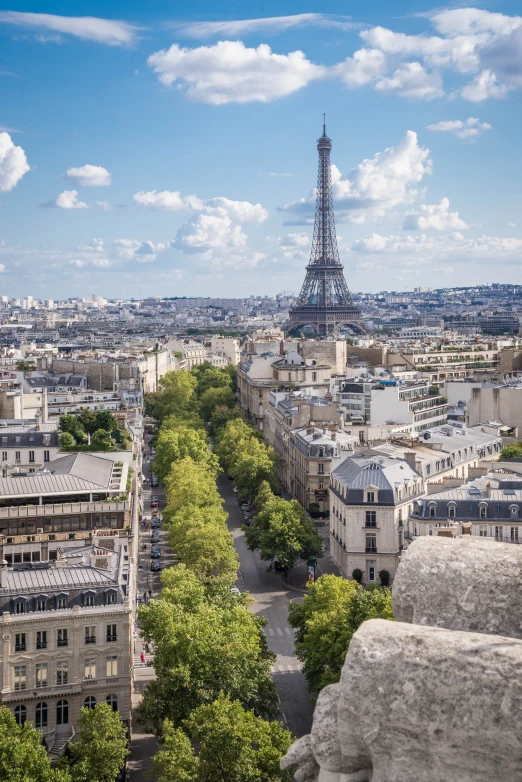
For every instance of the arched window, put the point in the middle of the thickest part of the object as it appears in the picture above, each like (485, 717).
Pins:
(451, 511)
(20, 714)
(433, 508)
(483, 510)
(62, 713)
(90, 702)
(514, 510)
(40, 715)
(112, 700)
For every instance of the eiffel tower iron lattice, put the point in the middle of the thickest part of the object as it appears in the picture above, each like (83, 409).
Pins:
(325, 303)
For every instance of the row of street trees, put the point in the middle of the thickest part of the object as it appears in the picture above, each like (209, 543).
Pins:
(213, 703)
(97, 755)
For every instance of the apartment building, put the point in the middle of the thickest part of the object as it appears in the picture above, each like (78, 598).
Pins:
(227, 347)
(27, 444)
(314, 453)
(444, 362)
(412, 406)
(371, 498)
(67, 639)
(502, 403)
(489, 506)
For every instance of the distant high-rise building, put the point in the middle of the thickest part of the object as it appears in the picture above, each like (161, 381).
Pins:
(325, 302)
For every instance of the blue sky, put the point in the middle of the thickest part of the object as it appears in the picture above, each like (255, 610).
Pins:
(166, 151)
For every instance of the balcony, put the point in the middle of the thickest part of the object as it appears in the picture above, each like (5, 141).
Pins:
(111, 638)
(370, 525)
(61, 642)
(41, 644)
(90, 639)
(371, 550)
(20, 647)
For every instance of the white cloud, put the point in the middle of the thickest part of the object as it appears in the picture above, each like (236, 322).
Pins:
(2, 268)
(364, 66)
(436, 216)
(66, 200)
(78, 263)
(230, 72)
(101, 262)
(218, 226)
(467, 129)
(473, 21)
(484, 86)
(375, 186)
(13, 163)
(105, 205)
(88, 176)
(294, 240)
(96, 246)
(504, 57)
(512, 225)
(271, 24)
(89, 28)
(166, 200)
(132, 249)
(453, 245)
(412, 80)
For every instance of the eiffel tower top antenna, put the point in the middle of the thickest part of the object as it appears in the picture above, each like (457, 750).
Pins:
(324, 124)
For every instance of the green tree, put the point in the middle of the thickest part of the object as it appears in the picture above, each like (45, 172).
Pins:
(189, 483)
(101, 440)
(201, 539)
(202, 646)
(221, 416)
(232, 440)
(513, 451)
(89, 420)
(175, 444)
(213, 398)
(106, 420)
(264, 496)
(236, 744)
(100, 751)
(283, 531)
(209, 376)
(252, 466)
(332, 610)
(67, 441)
(176, 395)
(23, 758)
(71, 424)
(175, 761)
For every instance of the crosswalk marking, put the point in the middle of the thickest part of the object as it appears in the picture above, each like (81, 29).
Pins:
(286, 668)
(148, 659)
(279, 631)
(270, 631)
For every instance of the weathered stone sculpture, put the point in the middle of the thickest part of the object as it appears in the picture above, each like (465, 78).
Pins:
(439, 700)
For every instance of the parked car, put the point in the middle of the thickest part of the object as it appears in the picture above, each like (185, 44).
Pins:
(155, 552)
(155, 565)
(155, 536)
(153, 503)
(156, 523)
(154, 498)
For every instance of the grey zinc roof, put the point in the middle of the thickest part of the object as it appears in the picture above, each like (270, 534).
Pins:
(76, 472)
(356, 473)
(51, 579)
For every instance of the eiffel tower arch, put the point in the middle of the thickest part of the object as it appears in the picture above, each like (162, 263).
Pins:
(325, 303)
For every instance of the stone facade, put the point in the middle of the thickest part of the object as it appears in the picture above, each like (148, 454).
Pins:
(434, 696)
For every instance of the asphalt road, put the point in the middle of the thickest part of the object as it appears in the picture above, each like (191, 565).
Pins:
(272, 598)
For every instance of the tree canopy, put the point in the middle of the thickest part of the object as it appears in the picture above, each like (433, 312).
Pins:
(100, 751)
(283, 531)
(332, 610)
(175, 444)
(23, 758)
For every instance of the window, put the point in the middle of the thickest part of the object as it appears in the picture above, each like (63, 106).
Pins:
(88, 600)
(321, 484)
(41, 604)
(40, 715)
(90, 634)
(112, 634)
(483, 511)
(112, 700)
(321, 453)
(370, 496)
(499, 534)
(61, 638)
(89, 668)
(371, 543)
(41, 675)
(371, 518)
(20, 677)
(17, 456)
(41, 639)
(47, 456)
(112, 666)
(483, 531)
(19, 605)
(433, 510)
(90, 702)
(62, 672)
(514, 510)
(4, 456)
(31, 457)
(20, 714)
(320, 468)
(110, 598)
(451, 511)
(62, 713)
(20, 642)
(370, 570)
(514, 534)
(61, 602)
(314, 376)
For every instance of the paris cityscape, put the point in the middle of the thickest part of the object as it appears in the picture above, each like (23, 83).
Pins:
(260, 393)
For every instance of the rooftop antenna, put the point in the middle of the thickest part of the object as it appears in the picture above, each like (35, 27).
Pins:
(324, 124)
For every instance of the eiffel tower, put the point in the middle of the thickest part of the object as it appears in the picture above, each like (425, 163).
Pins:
(325, 303)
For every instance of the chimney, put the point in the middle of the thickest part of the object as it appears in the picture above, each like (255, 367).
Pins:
(333, 436)
(488, 489)
(466, 528)
(281, 348)
(3, 574)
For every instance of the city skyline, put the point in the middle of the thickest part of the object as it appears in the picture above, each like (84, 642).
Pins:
(175, 156)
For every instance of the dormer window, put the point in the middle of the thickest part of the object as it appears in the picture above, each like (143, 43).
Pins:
(451, 511)
(370, 496)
